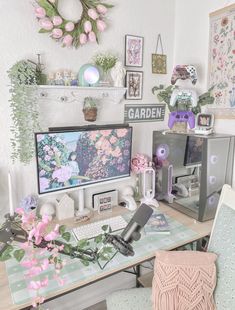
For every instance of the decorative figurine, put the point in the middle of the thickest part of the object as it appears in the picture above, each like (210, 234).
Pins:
(59, 78)
(67, 77)
(74, 80)
(118, 73)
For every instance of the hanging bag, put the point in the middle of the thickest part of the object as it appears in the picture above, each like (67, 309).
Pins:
(159, 60)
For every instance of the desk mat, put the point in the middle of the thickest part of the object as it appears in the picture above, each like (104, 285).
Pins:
(75, 272)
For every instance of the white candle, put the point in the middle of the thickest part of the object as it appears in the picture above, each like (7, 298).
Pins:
(10, 195)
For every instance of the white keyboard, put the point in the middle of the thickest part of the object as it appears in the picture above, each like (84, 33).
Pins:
(92, 230)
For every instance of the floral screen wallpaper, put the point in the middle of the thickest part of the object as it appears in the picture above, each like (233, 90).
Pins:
(71, 159)
(222, 59)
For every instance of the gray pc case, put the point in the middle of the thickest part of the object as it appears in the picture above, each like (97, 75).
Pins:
(201, 166)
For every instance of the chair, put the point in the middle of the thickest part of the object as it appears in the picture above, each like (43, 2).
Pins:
(222, 243)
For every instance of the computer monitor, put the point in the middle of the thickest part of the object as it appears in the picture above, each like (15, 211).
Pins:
(193, 151)
(82, 157)
(76, 158)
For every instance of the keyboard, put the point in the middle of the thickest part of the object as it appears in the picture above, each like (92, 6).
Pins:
(92, 230)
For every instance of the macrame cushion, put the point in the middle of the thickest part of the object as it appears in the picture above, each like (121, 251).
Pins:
(184, 280)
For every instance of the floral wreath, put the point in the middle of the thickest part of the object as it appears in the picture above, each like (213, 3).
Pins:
(87, 29)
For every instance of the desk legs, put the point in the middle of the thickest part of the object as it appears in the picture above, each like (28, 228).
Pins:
(136, 272)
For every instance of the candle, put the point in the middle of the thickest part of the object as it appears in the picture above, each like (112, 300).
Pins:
(10, 195)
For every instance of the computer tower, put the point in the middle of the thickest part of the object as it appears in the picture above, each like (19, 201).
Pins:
(201, 165)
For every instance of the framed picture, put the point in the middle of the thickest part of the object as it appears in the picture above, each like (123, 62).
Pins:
(221, 62)
(134, 84)
(105, 201)
(134, 51)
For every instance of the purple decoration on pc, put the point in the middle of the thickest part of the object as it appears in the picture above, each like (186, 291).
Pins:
(162, 151)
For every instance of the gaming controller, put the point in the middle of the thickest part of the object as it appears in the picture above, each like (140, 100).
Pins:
(184, 95)
(182, 116)
(184, 72)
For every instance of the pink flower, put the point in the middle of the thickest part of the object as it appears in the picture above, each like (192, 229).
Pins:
(117, 152)
(101, 25)
(40, 138)
(57, 20)
(113, 139)
(106, 133)
(45, 264)
(62, 174)
(29, 263)
(87, 26)
(34, 271)
(101, 9)
(83, 38)
(57, 33)
(69, 26)
(67, 40)
(53, 234)
(92, 14)
(46, 24)
(40, 12)
(121, 132)
(92, 37)
(139, 163)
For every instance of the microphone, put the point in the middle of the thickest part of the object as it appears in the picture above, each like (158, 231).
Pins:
(131, 232)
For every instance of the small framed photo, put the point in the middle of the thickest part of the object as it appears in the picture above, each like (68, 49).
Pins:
(134, 51)
(105, 201)
(134, 84)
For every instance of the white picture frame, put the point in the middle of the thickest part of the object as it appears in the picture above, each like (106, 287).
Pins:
(134, 46)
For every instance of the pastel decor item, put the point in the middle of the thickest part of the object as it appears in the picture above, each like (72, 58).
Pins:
(65, 208)
(47, 209)
(118, 73)
(184, 280)
(92, 20)
(88, 75)
(184, 72)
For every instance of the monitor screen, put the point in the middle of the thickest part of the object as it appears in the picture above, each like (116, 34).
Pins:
(86, 156)
(193, 151)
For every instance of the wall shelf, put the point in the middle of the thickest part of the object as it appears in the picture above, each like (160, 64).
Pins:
(77, 93)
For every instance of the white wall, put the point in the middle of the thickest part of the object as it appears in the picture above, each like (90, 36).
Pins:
(192, 43)
(20, 40)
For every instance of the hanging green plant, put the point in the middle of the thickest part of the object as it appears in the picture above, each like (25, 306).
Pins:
(87, 29)
(24, 110)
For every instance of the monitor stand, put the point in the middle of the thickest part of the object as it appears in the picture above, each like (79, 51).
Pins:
(82, 212)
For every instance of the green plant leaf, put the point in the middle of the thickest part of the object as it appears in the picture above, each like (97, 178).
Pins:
(44, 31)
(50, 10)
(62, 229)
(66, 236)
(85, 262)
(19, 254)
(67, 249)
(82, 243)
(105, 227)
(98, 239)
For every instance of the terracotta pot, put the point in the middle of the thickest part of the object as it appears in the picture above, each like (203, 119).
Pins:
(90, 114)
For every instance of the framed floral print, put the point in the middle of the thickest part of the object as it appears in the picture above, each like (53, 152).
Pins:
(222, 62)
(134, 51)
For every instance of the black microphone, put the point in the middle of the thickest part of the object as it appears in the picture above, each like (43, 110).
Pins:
(131, 232)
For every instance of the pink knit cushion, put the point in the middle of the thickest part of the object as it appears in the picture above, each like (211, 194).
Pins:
(184, 280)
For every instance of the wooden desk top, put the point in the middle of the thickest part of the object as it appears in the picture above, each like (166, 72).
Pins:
(202, 230)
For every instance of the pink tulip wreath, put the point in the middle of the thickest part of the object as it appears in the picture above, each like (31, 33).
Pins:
(87, 29)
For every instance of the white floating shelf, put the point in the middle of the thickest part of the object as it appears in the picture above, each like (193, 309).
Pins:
(77, 93)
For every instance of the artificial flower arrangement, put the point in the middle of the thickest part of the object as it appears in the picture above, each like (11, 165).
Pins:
(87, 29)
(138, 164)
(105, 61)
(44, 248)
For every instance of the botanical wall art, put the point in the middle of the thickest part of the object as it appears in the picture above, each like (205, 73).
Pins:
(222, 61)
(68, 32)
(134, 84)
(159, 60)
(134, 51)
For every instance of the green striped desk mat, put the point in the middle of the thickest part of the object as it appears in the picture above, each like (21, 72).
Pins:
(74, 271)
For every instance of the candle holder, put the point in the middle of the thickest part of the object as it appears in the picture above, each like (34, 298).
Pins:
(10, 231)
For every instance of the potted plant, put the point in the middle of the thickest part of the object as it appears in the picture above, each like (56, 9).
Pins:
(90, 109)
